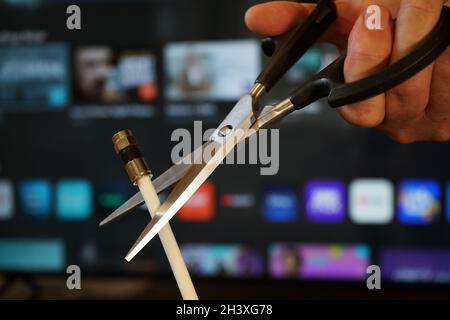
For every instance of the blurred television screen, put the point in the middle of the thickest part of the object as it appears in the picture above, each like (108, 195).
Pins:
(342, 198)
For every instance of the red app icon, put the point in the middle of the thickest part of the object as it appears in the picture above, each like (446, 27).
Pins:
(201, 206)
(147, 91)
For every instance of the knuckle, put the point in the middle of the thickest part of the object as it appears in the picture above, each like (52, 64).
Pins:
(403, 137)
(367, 120)
(422, 8)
(365, 114)
(406, 90)
(441, 135)
(369, 57)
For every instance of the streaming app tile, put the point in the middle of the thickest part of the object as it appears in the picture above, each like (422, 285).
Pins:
(32, 255)
(201, 206)
(210, 70)
(222, 260)
(415, 264)
(319, 261)
(35, 197)
(44, 84)
(418, 201)
(130, 76)
(371, 201)
(280, 204)
(74, 199)
(325, 201)
(6, 199)
(448, 202)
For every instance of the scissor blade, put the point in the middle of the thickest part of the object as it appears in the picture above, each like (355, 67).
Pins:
(240, 119)
(126, 207)
(165, 180)
(187, 186)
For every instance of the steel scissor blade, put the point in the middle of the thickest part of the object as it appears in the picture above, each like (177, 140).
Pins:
(187, 186)
(130, 204)
(239, 120)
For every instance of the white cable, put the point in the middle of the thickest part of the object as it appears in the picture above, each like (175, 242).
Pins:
(169, 242)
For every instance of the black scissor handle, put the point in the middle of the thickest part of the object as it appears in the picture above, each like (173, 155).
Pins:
(297, 42)
(330, 81)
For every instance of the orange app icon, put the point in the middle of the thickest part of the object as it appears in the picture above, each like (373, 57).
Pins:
(201, 206)
(148, 91)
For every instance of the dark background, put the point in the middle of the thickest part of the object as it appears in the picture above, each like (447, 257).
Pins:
(41, 143)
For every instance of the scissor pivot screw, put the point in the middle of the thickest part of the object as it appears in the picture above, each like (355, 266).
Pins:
(225, 130)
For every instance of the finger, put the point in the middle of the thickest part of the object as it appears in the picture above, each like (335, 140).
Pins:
(369, 51)
(438, 109)
(415, 20)
(278, 17)
(275, 18)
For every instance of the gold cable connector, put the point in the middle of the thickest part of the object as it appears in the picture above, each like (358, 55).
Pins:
(125, 145)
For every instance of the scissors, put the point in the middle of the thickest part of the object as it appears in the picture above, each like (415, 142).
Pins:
(246, 117)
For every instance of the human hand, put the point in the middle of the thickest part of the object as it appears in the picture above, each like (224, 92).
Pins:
(419, 108)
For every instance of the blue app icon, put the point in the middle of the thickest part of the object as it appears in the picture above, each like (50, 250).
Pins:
(35, 197)
(74, 199)
(57, 96)
(418, 201)
(280, 204)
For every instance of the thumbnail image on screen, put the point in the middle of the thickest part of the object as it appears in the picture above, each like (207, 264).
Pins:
(222, 260)
(34, 77)
(213, 70)
(319, 261)
(103, 74)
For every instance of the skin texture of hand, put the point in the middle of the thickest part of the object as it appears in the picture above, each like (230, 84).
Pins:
(416, 110)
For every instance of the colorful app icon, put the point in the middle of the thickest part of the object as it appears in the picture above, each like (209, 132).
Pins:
(371, 201)
(35, 197)
(148, 91)
(280, 204)
(74, 199)
(418, 201)
(57, 96)
(6, 199)
(325, 201)
(201, 206)
(111, 195)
